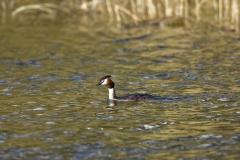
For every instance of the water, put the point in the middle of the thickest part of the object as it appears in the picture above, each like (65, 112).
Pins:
(51, 109)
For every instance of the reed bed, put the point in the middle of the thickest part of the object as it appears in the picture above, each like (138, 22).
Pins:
(221, 13)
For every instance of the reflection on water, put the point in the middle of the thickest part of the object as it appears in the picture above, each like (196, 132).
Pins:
(50, 108)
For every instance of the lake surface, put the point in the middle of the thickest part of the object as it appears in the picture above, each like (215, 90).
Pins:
(51, 108)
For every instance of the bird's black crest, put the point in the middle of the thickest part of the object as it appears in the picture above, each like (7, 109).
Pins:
(105, 77)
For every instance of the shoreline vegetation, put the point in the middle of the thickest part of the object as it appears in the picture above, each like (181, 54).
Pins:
(223, 14)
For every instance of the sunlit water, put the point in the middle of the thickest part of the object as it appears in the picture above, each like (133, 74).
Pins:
(51, 108)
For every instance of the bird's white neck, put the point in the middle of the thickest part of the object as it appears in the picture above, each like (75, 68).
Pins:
(112, 93)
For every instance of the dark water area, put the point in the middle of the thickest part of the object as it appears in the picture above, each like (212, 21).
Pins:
(51, 108)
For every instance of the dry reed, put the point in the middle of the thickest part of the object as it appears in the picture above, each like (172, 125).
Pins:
(224, 13)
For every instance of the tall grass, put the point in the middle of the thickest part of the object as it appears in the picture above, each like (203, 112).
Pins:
(223, 13)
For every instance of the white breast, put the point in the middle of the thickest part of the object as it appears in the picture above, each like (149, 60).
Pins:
(111, 93)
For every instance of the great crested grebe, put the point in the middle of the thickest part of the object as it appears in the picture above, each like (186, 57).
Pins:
(112, 94)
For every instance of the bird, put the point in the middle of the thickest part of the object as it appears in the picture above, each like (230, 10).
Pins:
(106, 81)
